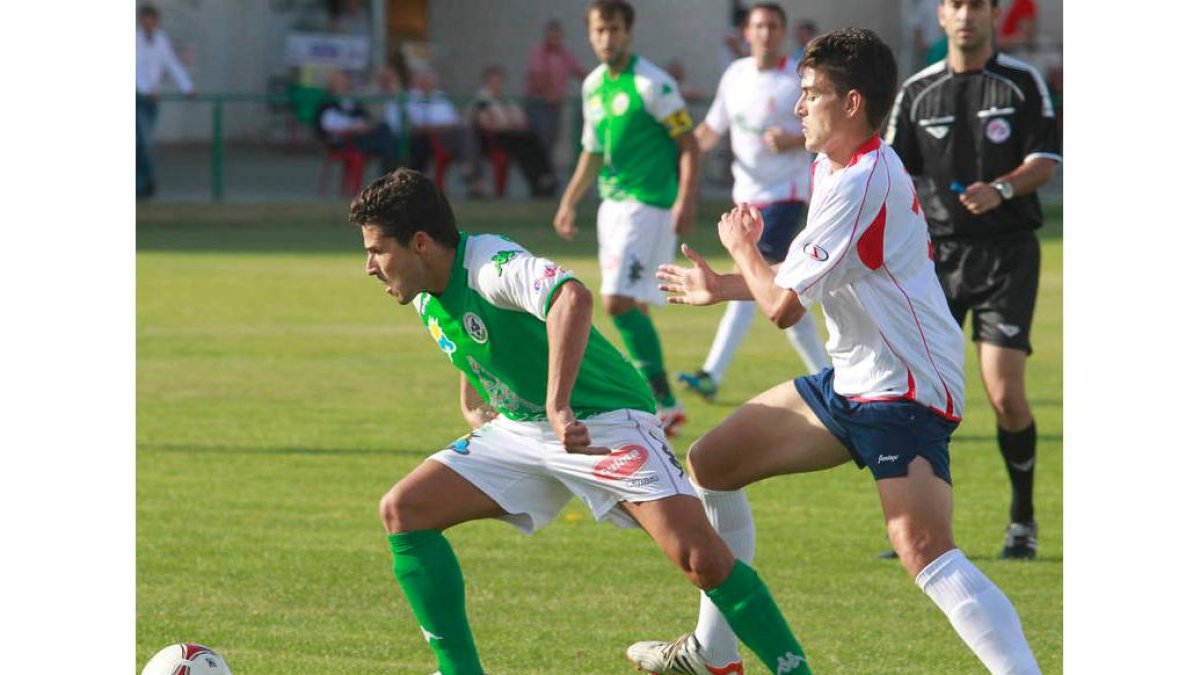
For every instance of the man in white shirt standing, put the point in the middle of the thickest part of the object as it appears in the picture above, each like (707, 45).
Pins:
(154, 55)
(895, 391)
(770, 170)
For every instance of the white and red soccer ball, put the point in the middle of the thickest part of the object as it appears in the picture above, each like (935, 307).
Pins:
(187, 659)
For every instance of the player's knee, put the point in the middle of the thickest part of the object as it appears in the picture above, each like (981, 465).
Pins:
(617, 304)
(916, 545)
(707, 566)
(1011, 406)
(704, 465)
(397, 510)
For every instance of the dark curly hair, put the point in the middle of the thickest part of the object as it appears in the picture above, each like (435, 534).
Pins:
(855, 58)
(402, 203)
(609, 9)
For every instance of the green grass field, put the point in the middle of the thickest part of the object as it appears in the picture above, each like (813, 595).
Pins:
(280, 392)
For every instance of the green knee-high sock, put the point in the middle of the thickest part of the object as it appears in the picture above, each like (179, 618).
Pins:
(641, 340)
(428, 572)
(747, 605)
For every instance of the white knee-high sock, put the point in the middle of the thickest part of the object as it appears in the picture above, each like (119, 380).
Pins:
(980, 612)
(729, 513)
(806, 340)
(739, 315)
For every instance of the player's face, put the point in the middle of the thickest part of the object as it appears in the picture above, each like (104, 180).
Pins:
(400, 269)
(764, 32)
(968, 23)
(609, 37)
(820, 108)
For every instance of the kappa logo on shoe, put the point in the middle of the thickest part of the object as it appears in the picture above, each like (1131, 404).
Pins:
(887, 458)
(788, 662)
(1008, 329)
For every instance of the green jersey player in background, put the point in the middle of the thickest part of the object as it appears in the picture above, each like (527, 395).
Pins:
(637, 138)
(556, 411)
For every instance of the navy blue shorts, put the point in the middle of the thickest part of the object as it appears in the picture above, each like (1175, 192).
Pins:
(883, 435)
(782, 222)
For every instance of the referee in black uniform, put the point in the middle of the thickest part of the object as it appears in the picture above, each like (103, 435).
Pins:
(977, 131)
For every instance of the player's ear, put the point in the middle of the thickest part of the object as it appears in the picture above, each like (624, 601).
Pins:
(854, 103)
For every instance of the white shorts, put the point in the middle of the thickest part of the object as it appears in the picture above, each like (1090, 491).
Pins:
(523, 467)
(634, 240)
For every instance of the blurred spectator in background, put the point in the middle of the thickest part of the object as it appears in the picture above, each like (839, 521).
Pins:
(690, 94)
(928, 40)
(349, 16)
(1018, 28)
(548, 72)
(436, 127)
(500, 121)
(343, 122)
(733, 44)
(154, 55)
(805, 30)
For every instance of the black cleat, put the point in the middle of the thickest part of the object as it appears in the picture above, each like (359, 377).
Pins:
(1020, 541)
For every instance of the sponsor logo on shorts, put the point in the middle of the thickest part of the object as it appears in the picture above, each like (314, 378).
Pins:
(1009, 329)
(998, 130)
(887, 458)
(816, 252)
(641, 482)
(621, 463)
(475, 328)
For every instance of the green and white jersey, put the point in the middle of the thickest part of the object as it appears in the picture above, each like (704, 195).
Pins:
(491, 323)
(632, 118)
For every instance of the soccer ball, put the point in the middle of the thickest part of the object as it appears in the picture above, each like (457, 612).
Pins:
(187, 659)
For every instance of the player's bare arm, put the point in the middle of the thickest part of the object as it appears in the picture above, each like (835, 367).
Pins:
(982, 197)
(706, 138)
(740, 229)
(568, 324)
(474, 409)
(586, 170)
(683, 212)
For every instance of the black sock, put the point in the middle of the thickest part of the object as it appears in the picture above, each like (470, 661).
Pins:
(1019, 449)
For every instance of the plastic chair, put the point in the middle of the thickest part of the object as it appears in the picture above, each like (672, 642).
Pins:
(354, 164)
(500, 161)
(441, 160)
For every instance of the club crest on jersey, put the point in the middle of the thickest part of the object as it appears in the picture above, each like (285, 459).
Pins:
(816, 252)
(439, 336)
(620, 103)
(474, 327)
(998, 130)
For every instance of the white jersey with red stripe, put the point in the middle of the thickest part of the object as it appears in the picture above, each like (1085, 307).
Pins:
(748, 102)
(865, 256)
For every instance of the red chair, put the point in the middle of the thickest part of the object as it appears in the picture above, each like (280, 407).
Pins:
(354, 164)
(441, 160)
(499, 160)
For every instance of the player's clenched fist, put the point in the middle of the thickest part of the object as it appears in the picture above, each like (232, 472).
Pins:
(564, 222)
(740, 226)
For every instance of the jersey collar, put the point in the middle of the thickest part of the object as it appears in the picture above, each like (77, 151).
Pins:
(871, 145)
(633, 59)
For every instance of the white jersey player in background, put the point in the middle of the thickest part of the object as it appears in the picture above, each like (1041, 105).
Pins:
(770, 170)
(895, 391)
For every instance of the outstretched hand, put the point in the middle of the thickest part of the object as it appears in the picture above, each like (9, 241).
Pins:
(695, 285)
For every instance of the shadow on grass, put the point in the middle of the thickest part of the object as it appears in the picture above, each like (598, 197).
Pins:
(324, 228)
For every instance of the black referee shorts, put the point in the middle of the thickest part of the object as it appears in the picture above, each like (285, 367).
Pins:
(995, 279)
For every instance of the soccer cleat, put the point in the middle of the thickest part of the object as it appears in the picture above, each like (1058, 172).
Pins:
(679, 657)
(700, 383)
(1020, 541)
(672, 418)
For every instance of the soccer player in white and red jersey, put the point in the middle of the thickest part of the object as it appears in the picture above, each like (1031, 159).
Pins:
(895, 391)
(770, 170)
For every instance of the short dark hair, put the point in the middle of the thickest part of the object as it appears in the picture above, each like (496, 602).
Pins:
(610, 8)
(147, 10)
(855, 58)
(770, 7)
(403, 203)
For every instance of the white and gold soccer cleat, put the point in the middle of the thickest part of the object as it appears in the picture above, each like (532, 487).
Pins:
(681, 657)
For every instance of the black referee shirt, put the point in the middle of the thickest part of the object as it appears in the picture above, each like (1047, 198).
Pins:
(953, 129)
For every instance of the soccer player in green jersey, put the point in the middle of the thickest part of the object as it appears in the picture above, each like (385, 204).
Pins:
(555, 411)
(637, 138)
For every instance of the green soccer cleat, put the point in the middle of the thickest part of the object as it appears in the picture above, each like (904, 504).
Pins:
(681, 657)
(700, 383)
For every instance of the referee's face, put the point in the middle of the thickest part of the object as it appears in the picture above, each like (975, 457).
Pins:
(968, 23)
